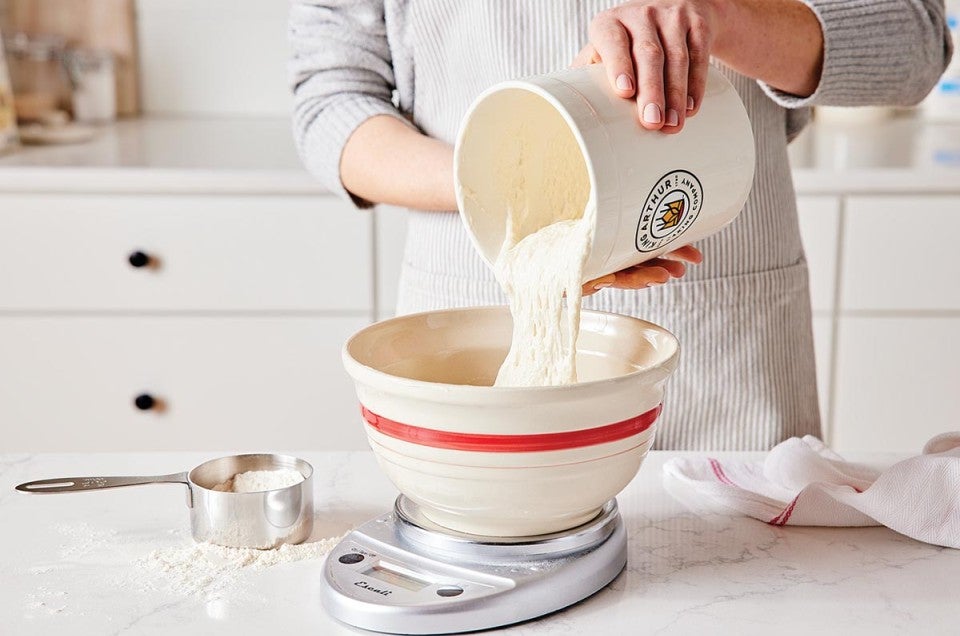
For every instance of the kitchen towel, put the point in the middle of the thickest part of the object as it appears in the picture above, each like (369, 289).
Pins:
(801, 482)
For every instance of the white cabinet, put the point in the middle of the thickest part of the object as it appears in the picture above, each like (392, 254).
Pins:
(233, 327)
(887, 348)
(898, 380)
(897, 374)
(219, 383)
(223, 253)
(900, 253)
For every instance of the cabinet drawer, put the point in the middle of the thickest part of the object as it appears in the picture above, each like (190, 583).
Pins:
(900, 253)
(215, 253)
(896, 383)
(819, 228)
(252, 383)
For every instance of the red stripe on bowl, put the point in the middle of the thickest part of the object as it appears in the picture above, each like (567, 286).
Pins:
(512, 443)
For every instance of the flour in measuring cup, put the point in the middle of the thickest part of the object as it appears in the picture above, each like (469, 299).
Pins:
(261, 480)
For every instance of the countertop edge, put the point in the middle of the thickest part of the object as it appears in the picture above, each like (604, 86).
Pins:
(96, 180)
(280, 182)
(875, 181)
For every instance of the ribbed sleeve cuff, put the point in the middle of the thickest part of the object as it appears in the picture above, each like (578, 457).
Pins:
(874, 52)
(828, 79)
(324, 138)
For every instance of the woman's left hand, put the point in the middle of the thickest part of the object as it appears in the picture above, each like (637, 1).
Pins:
(656, 51)
(649, 273)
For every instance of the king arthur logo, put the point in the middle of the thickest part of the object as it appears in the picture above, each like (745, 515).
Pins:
(670, 209)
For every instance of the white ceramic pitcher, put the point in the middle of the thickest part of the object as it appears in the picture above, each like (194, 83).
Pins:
(566, 140)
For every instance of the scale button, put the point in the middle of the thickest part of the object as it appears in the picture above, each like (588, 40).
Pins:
(449, 590)
(351, 557)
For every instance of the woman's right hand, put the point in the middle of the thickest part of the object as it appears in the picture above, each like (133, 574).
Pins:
(656, 51)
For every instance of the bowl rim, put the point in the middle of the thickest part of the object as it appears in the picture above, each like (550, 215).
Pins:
(360, 372)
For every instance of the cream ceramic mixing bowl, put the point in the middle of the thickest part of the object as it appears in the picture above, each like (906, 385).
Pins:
(505, 461)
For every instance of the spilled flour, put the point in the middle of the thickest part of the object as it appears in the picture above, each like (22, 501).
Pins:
(205, 570)
(95, 556)
(549, 234)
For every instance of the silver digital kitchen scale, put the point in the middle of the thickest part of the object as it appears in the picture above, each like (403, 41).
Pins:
(403, 574)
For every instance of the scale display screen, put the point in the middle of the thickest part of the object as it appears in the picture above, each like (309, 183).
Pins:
(390, 575)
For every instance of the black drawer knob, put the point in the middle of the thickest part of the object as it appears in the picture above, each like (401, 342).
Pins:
(144, 402)
(139, 259)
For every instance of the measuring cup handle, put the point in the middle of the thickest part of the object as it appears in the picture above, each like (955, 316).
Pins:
(76, 484)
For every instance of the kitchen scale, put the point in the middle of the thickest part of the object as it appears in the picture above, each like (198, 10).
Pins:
(403, 574)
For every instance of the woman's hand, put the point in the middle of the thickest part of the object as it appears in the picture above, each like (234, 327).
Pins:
(656, 51)
(653, 272)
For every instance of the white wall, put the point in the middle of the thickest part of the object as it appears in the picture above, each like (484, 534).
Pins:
(213, 57)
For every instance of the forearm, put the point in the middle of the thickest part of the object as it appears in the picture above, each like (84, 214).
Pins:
(779, 42)
(387, 161)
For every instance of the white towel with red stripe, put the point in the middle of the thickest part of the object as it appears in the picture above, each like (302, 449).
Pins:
(801, 482)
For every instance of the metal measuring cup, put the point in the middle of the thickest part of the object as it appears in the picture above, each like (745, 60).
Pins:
(262, 520)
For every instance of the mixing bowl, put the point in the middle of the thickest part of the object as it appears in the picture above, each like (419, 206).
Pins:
(507, 461)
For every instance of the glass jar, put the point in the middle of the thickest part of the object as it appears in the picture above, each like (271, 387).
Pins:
(8, 119)
(40, 84)
(93, 81)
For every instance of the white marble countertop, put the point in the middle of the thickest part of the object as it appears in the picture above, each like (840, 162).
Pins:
(257, 156)
(68, 563)
(246, 155)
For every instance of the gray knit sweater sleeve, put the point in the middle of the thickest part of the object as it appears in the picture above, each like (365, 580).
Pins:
(876, 52)
(341, 72)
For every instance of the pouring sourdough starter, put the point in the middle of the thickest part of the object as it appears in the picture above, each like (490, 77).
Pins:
(557, 185)
(546, 245)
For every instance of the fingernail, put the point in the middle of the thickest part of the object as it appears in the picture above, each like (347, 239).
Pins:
(672, 118)
(654, 284)
(624, 82)
(651, 114)
(600, 286)
(689, 103)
